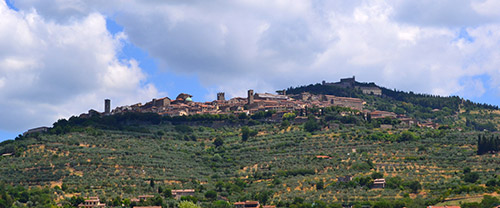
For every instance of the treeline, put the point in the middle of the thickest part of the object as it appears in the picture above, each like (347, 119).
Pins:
(132, 121)
(487, 144)
(124, 122)
(325, 90)
(425, 100)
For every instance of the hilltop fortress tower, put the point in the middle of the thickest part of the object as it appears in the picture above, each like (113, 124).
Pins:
(250, 97)
(221, 96)
(107, 106)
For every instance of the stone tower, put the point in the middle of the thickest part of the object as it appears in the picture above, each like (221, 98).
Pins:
(250, 97)
(221, 96)
(107, 106)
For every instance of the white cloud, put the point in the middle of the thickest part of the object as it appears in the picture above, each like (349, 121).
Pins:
(50, 70)
(487, 7)
(265, 45)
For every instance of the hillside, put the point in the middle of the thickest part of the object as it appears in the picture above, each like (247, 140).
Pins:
(292, 163)
(449, 110)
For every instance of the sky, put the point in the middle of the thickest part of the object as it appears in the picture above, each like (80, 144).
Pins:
(63, 57)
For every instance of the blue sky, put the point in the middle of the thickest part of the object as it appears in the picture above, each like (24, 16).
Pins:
(62, 58)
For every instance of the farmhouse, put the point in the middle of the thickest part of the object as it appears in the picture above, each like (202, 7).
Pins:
(247, 204)
(91, 202)
(382, 114)
(379, 183)
(177, 194)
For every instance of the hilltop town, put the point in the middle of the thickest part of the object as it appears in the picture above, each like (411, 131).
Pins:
(254, 102)
(279, 104)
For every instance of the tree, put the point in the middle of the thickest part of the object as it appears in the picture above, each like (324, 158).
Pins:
(311, 125)
(263, 196)
(221, 204)
(117, 201)
(471, 177)
(218, 142)
(289, 116)
(382, 204)
(167, 193)
(245, 133)
(64, 187)
(188, 204)
(320, 185)
(285, 124)
(492, 182)
(489, 201)
(152, 183)
(394, 182)
(466, 170)
(75, 201)
(157, 201)
(319, 204)
(211, 195)
(407, 136)
(488, 144)
(376, 175)
(414, 186)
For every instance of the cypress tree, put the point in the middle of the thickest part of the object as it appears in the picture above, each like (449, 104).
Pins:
(479, 145)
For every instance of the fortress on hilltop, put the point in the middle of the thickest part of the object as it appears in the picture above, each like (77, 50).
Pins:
(370, 88)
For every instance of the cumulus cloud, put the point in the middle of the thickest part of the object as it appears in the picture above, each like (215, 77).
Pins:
(50, 70)
(423, 46)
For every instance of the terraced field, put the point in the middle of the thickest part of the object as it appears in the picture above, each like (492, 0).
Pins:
(281, 162)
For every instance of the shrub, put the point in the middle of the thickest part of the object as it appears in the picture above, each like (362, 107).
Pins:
(188, 204)
(211, 195)
(311, 125)
(471, 177)
(218, 142)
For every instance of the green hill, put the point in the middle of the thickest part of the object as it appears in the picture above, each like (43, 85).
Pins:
(289, 164)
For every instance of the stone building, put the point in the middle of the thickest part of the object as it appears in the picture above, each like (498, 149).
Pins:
(268, 96)
(91, 202)
(379, 183)
(178, 193)
(36, 130)
(347, 82)
(221, 96)
(107, 106)
(354, 103)
(250, 97)
(371, 90)
(247, 204)
(382, 114)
